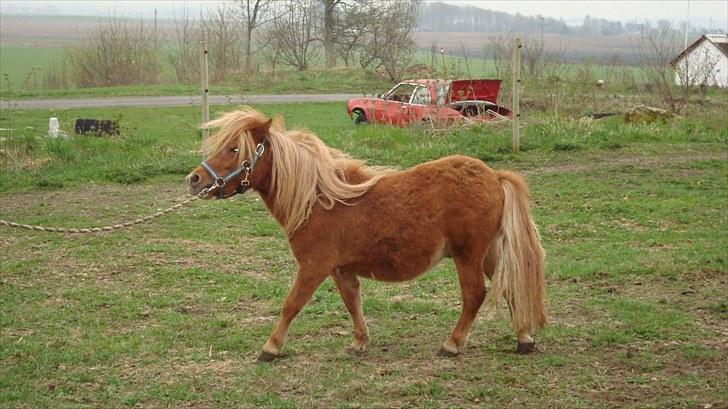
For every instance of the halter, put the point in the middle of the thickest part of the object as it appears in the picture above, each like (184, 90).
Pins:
(245, 167)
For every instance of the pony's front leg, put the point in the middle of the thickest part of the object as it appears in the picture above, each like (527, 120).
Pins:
(306, 283)
(348, 285)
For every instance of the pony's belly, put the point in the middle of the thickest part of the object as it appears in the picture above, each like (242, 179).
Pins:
(393, 276)
(396, 265)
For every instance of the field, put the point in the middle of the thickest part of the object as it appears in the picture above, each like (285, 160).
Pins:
(173, 314)
(570, 47)
(31, 46)
(24, 67)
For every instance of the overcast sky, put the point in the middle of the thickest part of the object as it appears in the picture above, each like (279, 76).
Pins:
(704, 13)
(701, 11)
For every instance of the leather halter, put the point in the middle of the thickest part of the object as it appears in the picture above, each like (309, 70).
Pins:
(246, 167)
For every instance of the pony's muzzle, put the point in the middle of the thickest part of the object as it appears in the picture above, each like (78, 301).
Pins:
(193, 182)
(193, 179)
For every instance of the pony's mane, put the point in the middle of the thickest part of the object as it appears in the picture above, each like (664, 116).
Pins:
(304, 170)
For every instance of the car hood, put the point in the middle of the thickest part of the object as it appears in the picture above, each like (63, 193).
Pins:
(482, 90)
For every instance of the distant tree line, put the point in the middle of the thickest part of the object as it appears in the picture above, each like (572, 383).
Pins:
(469, 19)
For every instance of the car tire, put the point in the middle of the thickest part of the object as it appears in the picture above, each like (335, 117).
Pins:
(359, 117)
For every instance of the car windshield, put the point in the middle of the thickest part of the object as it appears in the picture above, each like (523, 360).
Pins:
(401, 93)
(421, 96)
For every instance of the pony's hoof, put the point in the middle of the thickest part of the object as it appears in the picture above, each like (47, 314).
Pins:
(447, 353)
(355, 350)
(267, 357)
(526, 348)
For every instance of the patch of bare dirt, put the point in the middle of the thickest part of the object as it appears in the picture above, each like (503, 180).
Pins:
(92, 201)
(640, 161)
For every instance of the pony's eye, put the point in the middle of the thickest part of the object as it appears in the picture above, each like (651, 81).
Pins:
(234, 150)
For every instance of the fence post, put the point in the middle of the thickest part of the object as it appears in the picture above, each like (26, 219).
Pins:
(204, 86)
(516, 93)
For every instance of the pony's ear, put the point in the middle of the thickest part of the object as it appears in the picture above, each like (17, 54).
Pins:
(262, 130)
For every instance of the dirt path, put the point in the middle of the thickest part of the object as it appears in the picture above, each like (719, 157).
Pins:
(169, 101)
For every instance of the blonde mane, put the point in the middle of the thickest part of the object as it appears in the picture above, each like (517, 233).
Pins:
(305, 171)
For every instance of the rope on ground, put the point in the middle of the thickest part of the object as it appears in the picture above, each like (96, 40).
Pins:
(103, 228)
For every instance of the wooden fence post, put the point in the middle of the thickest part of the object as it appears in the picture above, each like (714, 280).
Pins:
(204, 86)
(516, 68)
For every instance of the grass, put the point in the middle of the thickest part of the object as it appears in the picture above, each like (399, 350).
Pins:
(23, 67)
(633, 219)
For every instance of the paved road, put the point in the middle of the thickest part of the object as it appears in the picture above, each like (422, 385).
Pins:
(172, 101)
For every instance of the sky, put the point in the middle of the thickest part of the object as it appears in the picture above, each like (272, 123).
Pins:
(703, 13)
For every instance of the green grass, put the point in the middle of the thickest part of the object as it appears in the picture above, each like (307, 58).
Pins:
(172, 314)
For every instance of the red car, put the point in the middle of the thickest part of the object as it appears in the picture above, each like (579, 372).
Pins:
(437, 101)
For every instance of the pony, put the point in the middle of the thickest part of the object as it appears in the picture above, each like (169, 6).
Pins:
(347, 220)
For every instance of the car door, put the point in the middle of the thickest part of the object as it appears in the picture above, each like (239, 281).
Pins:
(394, 109)
(420, 105)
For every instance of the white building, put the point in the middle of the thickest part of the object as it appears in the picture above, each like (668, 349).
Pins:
(704, 62)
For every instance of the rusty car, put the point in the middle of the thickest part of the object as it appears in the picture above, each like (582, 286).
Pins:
(431, 101)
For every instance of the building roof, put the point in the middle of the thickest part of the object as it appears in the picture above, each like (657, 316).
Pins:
(719, 40)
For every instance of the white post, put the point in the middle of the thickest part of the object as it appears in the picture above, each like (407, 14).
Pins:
(516, 93)
(204, 85)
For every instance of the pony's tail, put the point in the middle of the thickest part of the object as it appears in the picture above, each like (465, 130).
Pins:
(518, 258)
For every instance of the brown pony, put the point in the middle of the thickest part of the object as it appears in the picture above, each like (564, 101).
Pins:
(346, 220)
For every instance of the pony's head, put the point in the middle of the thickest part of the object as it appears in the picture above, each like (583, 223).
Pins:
(231, 160)
(293, 169)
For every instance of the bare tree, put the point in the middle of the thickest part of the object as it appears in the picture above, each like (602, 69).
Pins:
(350, 30)
(118, 52)
(389, 41)
(183, 53)
(293, 33)
(253, 14)
(220, 29)
(654, 52)
(536, 60)
(329, 28)
(501, 48)
(268, 52)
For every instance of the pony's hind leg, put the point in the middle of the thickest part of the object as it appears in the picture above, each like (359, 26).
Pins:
(348, 285)
(526, 344)
(304, 286)
(472, 289)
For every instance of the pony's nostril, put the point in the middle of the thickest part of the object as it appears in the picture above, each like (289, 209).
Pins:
(193, 179)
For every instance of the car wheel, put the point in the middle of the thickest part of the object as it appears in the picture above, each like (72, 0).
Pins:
(360, 118)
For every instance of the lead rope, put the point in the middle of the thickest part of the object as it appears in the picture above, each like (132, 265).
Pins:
(110, 227)
(245, 184)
